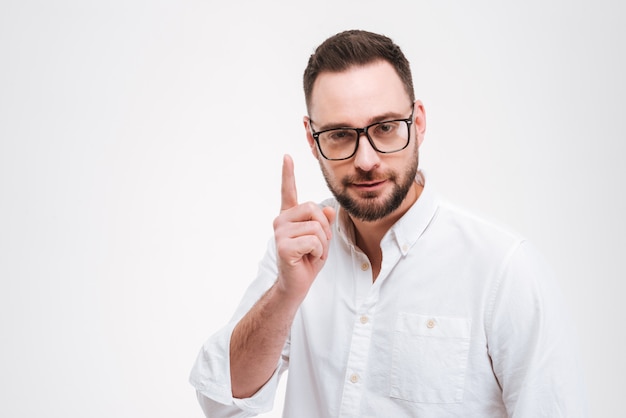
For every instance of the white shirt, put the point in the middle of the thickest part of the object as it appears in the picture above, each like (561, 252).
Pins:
(464, 320)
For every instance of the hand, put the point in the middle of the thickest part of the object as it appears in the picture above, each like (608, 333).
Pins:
(302, 233)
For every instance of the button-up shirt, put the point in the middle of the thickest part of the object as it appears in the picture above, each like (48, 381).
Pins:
(463, 320)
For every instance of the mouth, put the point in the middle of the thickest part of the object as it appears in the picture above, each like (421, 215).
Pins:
(369, 186)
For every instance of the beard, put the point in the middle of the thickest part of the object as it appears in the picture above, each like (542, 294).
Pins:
(367, 206)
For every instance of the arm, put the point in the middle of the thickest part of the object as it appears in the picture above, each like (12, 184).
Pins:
(532, 342)
(257, 341)
(210, 375)
(302, 234)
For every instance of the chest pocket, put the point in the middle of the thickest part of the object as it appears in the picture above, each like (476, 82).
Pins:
(429, 358)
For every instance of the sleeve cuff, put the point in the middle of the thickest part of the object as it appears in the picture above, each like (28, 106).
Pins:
(210, 377)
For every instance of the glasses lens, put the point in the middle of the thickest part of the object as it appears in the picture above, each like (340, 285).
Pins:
(337, 144)
(389, 136)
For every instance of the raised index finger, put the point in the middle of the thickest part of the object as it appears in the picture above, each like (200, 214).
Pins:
(288, 192)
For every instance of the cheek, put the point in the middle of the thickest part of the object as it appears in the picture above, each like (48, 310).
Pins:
(314, 151)
(330, 173)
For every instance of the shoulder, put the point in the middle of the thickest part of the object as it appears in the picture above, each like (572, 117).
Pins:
(330, 202)
(472, 229)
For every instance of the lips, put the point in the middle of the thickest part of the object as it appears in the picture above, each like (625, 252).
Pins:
(368, 181)
(369, 185)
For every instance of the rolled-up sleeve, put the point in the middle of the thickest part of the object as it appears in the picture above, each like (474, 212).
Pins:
(211, 378)
(210, 375)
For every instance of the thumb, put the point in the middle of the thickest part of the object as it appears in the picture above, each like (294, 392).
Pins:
(330, 214)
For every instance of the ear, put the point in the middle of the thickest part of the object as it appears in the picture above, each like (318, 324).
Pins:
(309, 137)
(419, 120)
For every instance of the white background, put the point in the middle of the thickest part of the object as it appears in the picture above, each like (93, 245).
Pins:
(140, 152)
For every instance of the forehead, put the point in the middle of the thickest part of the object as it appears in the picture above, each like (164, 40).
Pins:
(357, 94)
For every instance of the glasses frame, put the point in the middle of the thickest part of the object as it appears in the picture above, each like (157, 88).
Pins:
(364, 130)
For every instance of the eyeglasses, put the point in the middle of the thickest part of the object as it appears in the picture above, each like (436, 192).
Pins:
(385, 137)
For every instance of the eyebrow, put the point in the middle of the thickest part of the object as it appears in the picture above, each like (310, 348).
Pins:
(374, 119)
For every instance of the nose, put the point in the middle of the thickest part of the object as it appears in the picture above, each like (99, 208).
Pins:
(366, 157)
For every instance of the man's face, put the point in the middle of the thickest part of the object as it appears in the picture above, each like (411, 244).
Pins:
(369, 186)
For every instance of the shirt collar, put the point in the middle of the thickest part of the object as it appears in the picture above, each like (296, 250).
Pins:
(407, 230)
(410, 227)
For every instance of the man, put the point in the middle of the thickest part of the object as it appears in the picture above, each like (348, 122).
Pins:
(385, 302)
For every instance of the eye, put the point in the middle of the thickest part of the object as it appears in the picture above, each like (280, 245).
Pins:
(385, 128)
(339, 135)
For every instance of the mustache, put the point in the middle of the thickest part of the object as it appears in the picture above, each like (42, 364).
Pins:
(367, 176)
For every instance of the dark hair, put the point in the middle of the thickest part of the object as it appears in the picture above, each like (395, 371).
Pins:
(355, 48)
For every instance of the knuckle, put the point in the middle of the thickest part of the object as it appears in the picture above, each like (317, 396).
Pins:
(282, 248)
(311, 207)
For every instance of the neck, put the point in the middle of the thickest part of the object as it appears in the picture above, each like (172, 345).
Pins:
(368, 235)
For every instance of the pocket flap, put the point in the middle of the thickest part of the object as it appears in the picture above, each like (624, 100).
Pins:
(434, 325)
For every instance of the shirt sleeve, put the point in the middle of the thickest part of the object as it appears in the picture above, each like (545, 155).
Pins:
(532, 341)
(210, 375)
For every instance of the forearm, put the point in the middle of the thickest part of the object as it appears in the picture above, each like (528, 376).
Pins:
(257, 341)
(302, 233)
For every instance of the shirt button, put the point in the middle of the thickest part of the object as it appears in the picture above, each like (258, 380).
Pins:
(430, 323)
(405, 248)
(354, 378)
(365, 266)
(364, 319)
